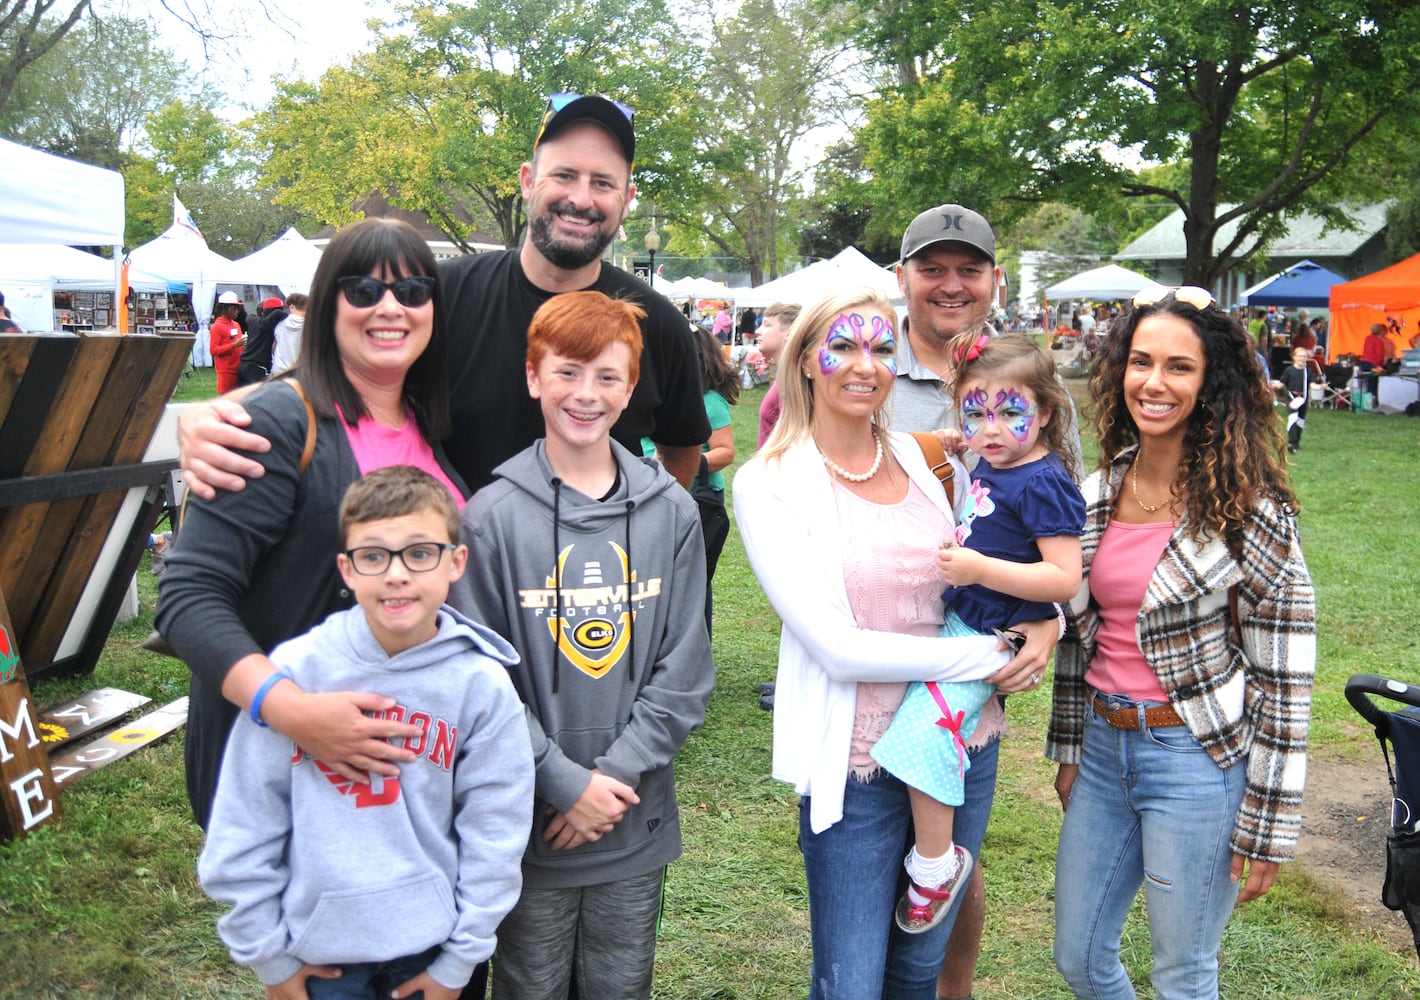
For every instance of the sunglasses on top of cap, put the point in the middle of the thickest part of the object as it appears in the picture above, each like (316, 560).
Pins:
(557, 102)
(1191, 295)
(364, 291)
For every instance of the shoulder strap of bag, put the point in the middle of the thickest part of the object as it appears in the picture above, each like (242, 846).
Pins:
(936, 457)
(310, 446)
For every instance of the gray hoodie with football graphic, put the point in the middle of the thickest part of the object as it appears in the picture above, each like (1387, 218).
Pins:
(616, 667)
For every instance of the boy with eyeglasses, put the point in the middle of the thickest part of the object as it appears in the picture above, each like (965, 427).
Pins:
(591, 561)
(397, 886)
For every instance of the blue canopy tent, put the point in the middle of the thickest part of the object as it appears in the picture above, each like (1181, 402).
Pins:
(1304, 284)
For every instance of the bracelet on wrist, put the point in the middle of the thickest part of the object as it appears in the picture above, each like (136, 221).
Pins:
(262, 692)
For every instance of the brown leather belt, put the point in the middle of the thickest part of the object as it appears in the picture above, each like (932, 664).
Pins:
(1128, 718)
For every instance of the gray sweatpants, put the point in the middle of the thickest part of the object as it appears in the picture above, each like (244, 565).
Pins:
(606, 933)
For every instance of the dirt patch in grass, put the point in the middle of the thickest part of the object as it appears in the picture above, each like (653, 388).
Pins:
(1346, 815)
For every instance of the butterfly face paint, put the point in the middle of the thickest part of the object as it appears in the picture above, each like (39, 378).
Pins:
(853, 334)
(1001, 423)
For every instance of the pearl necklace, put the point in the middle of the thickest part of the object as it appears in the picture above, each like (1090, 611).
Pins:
(854, 477)
(1134, 482)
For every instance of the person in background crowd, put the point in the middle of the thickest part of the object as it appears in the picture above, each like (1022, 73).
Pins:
(773, 328)
(288, 334)
(255, 363)
(226, 340)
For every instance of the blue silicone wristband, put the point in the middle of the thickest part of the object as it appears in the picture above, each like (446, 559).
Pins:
(260, 695)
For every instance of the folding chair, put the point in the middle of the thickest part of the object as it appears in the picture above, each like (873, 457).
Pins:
(1336, 394)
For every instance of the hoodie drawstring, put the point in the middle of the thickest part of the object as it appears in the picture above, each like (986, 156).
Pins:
(557, 584)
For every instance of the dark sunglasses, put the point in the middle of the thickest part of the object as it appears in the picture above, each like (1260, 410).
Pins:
(363, 292)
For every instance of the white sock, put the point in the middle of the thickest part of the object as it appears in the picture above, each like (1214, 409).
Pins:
(929, 872)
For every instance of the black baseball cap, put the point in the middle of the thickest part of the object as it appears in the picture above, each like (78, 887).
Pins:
(565, 109)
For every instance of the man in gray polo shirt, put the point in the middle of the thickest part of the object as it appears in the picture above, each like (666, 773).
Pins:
(948, 275)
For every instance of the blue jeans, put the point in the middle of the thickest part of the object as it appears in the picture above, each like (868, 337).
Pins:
(855, 875)
(1149, 807)
(371, 980)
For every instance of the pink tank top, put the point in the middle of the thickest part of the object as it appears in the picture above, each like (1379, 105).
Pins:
(376, 446)
(1119, 578)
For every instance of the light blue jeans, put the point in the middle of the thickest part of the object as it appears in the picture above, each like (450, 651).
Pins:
(1149, 807)
(855, 875)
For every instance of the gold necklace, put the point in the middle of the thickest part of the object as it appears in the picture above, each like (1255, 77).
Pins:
(1134, 482)
(397, 423)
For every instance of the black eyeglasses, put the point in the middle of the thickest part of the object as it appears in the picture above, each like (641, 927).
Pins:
(421, 557)
(364, 291)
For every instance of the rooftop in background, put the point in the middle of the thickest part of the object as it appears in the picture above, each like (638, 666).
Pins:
(1306, 236)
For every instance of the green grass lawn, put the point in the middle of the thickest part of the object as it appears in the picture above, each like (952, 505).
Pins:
(104, 903)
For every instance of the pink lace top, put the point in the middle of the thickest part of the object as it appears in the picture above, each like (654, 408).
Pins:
(890, 570)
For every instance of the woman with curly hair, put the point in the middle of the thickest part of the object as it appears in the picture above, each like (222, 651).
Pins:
(1183, 686)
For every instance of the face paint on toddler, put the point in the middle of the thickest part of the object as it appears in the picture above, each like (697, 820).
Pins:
(847, 335)
(987, 408)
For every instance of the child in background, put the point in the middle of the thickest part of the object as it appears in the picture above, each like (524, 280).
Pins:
(1017, 550)
(591, 561)
(1297, 379)
(396, 886)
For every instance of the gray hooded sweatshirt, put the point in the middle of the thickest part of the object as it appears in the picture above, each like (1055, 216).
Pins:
(616, 669)
(324, 871)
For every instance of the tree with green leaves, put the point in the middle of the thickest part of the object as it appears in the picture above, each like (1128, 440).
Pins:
(773, 74)
(1268, 104)
(439, 117)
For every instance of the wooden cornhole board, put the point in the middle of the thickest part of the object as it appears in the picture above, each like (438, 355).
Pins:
(77, 500)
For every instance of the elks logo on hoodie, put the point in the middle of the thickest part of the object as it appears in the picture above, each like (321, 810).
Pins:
(594, 631)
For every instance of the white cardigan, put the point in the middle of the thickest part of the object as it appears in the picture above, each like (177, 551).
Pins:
(785, 512)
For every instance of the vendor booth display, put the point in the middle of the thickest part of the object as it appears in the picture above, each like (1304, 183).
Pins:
(1305, 284)
(1101, 284)
(1393, 292)
(77, 497)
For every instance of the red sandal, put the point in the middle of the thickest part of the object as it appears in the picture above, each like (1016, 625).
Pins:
(915, 919)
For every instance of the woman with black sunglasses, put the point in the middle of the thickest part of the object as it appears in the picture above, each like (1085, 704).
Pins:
(255, 567)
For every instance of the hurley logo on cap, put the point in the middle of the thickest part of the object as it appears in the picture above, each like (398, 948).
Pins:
(949, 223)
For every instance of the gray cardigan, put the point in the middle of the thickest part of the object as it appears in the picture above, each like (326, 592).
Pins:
(253, 568)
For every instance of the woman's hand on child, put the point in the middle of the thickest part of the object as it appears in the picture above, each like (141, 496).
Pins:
(1026, 671)
(334, 728)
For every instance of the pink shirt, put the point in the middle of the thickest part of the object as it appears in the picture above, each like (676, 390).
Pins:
(768, 412)
(376, 446)
(1119, 578)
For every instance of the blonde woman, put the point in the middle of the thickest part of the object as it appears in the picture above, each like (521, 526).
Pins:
(841, 520)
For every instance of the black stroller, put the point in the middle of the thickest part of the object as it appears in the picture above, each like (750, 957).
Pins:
(1402, 729)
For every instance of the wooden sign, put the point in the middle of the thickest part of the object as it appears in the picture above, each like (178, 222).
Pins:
(101, 751)
(28, 794)
(62, 724)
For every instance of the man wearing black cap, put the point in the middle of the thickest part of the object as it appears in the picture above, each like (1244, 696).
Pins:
(577, 188)
(255, 365)
(948, 275)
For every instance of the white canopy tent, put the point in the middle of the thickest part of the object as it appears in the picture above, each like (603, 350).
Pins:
(848, 268)
(65, 267)
(181, 254)
(49, 199)
(289, 263)
(1100, 284)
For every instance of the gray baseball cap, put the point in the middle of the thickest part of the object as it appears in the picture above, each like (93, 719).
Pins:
(948, 224)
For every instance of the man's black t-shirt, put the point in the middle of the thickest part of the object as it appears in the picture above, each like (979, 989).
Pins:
(490, 303)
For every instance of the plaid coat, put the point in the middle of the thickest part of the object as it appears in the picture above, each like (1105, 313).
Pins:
(1247, 706)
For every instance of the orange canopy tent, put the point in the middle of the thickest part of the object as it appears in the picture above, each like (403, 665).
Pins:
(1355, 305)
